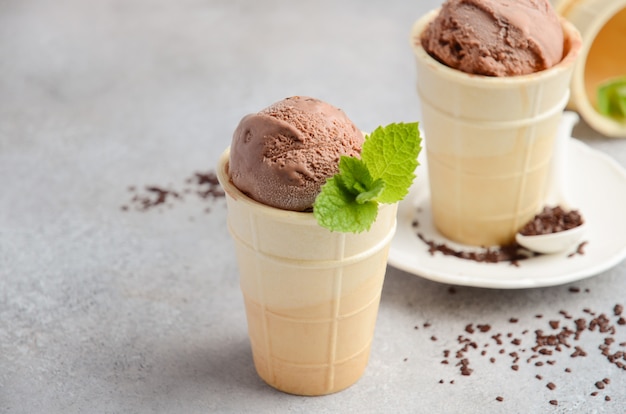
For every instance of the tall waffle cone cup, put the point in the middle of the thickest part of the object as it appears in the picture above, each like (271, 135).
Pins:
(489, 142)
(311, 295)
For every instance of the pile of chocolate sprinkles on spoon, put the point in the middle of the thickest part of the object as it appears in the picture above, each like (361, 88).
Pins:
(552, 220)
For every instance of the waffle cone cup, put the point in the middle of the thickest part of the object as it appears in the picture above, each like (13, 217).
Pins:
(311, 295)
(489, 142)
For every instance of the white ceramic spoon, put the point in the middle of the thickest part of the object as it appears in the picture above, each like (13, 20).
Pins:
(557, 195)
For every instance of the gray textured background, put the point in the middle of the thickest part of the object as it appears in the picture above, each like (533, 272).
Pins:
(107, 311)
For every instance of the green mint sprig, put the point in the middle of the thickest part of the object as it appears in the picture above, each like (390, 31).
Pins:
(612, 98)
(348, 202)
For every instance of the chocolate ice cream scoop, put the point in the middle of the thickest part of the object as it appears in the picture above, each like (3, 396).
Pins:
(282, 155)
(496, 37)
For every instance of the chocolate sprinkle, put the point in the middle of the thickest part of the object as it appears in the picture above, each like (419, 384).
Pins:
(204, 185)
(511, 253)
(552, 220)
(580, 250)
(560, 337)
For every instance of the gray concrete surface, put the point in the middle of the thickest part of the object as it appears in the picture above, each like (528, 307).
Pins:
(111, 311)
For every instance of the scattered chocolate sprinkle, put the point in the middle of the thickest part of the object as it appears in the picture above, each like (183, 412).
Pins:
(484, 328)
(154, 197)
(465, 370)
(433, 338)
(607, 398)
(574, 289)
(511, 253)
(561, 337)
(499, 399)
(203, 184)
(208, 185)
(580, 250)
(440, 381)
(593, 394)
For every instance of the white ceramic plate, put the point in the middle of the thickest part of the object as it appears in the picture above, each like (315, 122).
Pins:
(597, 186)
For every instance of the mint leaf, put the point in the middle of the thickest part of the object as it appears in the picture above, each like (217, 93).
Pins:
(373, 194)
(612, 98)
(356, 179)
(348, 202)
(336, 209)
(621, 99)
(390, 154)
(354, 175)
